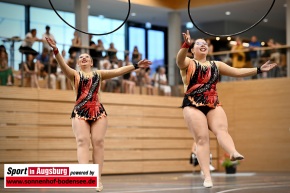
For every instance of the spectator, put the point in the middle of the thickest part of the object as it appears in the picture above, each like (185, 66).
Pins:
(275, 56)
(129, 79)
(31, 71)
(100, 49)
(47, 34)
(71, 62)
(93, 51)
(160, 81)
(136, 55)
(113, 84)
(112, 53)
(55, 75)
(148, 82)
(42, 61)
(254, 44)
(210, 49)
(76, 43)
(238, 58)
(27, 43)
(6, 73)
(105, 64)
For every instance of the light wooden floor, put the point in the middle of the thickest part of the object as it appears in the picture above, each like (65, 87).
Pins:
(182, 183)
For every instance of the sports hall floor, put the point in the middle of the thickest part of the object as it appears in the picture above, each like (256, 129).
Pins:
(182, 183)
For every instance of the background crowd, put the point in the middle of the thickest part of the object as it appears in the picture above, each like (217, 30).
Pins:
(40, 70)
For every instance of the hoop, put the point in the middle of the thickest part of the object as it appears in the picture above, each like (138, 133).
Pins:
(226, 35)
(129, 9)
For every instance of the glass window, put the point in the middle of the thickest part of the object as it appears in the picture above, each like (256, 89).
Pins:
(156, 50)
(12, 19)
(103, 25)
(137, 38)
(63, 34)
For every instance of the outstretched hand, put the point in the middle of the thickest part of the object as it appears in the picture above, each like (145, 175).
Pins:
(187, 38)
(267, 66)
(51, 43)
(144, 63)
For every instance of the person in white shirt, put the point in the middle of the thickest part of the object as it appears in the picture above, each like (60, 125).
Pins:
(47, 34)
(160, 80)
(27, 43)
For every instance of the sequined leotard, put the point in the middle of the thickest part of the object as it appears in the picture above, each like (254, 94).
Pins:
(88, 106)
(200, 85)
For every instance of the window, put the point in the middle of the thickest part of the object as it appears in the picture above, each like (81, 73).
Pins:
(62, 33)
(12, 25)
(156, 51)
(99, 25)
(137, 38)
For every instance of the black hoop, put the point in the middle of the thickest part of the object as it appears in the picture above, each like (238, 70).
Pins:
(129, 9)
(226, 35)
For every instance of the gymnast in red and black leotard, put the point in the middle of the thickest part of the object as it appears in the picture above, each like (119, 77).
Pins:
(200, 86)
(89, 120)
(201, 108)
(88, 105)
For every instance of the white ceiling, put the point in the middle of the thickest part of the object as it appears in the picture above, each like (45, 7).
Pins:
(245, 11)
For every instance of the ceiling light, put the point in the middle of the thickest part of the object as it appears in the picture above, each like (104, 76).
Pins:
(233, 43)
(262, 43)
(229, 38)
(189, 25)
(228, 13)
(217, 38)
(148, 25)
(133, 14)
(245, 44)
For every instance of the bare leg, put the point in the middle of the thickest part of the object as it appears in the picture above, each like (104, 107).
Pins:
(98, 131)
(197, 124)
(81, 130)
(132, 87)
(9, 80)
(193, 149)
(34, 81)
(218, 123)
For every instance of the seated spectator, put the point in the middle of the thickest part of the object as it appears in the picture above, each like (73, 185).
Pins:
(129, 79)
(71, 62)
(6, 73)
(54, 76)
(99, 52)
(136, 55)
(275, 56)
(47, 34)
(31, 71)
(112, 53)
(113, 84)
(27, 43)
(160, 81)
(105, 64)
(93, 51)
(148, 82)
(76, 43)
(42, 61)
